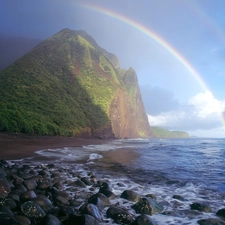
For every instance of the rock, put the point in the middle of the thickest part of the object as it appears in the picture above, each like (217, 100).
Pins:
(2, 172)
(211, 221)
(66, 210)
(28, 195)
(221, 213)
(130, 196)
(200, 207)
(15, 195)
(30, 184)
(63, 194)
(32, 209)
(44, 202)
(51, 220)
(100, 200)
(92, 210)
(5, 187)
(151, 196)
(17, 180)
(25, 176)
(44, 184)
(61, 200)
(109, 194)
(20, 188)
(82, 220)
(5, 209)
(143, 220)
(79, 183)
(147, 206)
(178, 197)
(44, 173)
(23, 220)
(86, 181)
(7, 220)
(105, 186)
(10, 202)
(119, 215)
(58, 185)
(83, 195)
(51, 166)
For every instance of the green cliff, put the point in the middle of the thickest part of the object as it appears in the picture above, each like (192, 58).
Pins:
(69, 85)
(163, 133)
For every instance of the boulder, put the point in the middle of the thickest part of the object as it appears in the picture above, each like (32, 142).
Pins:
(143, 220)
(82, 220)
(147, 206)
(100, 200)
(211, 221)
(221, 213)
(32, 209)
(130, 196)
(28, 195)
(92, 210)
(119, 215)
(44, 202)
(51, 220)
(180, 198)
(30, 184)
(200, 207)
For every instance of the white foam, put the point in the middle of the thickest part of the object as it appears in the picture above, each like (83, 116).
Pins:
(93, 156)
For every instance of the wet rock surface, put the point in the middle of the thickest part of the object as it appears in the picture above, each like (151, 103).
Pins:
(34, 193)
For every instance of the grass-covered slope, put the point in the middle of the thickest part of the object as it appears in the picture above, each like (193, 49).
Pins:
(163, 133)
(64, 86)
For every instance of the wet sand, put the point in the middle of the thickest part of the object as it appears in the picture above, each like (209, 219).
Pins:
(18, 146)
(22, 146)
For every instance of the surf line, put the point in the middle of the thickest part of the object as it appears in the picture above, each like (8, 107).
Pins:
(147, 31)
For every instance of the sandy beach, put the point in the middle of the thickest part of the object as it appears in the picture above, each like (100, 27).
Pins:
(16, 146)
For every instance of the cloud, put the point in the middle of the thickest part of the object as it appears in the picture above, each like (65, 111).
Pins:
(158, 100)
(201, 112)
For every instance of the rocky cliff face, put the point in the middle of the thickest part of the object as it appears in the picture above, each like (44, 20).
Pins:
(69, 85)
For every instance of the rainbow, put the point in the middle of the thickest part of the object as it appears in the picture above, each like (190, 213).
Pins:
(147, 31)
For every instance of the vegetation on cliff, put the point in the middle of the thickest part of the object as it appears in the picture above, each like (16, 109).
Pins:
(163, 133)
(66, 86)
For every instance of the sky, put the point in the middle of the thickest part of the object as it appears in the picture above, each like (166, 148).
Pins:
(176, 47)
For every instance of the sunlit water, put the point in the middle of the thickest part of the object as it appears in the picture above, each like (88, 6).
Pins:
(192, 168)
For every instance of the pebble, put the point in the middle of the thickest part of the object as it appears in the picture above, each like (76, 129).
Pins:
(53, 195)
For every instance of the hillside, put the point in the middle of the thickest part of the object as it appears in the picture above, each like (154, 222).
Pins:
(68, 85)
(163, 133)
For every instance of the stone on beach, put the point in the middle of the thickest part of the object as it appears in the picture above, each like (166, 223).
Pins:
(119, 215)
(92, 210)
(211, 221)
(143, 220)
(147, 206)
(82, 220)
(100, 200)
(200, 207)
(130, 196)
(221, 213)
(32, 209)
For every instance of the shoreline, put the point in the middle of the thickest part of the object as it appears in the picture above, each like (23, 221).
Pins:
(17, 146)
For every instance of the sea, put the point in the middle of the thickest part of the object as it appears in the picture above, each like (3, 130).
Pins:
(193, 168)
